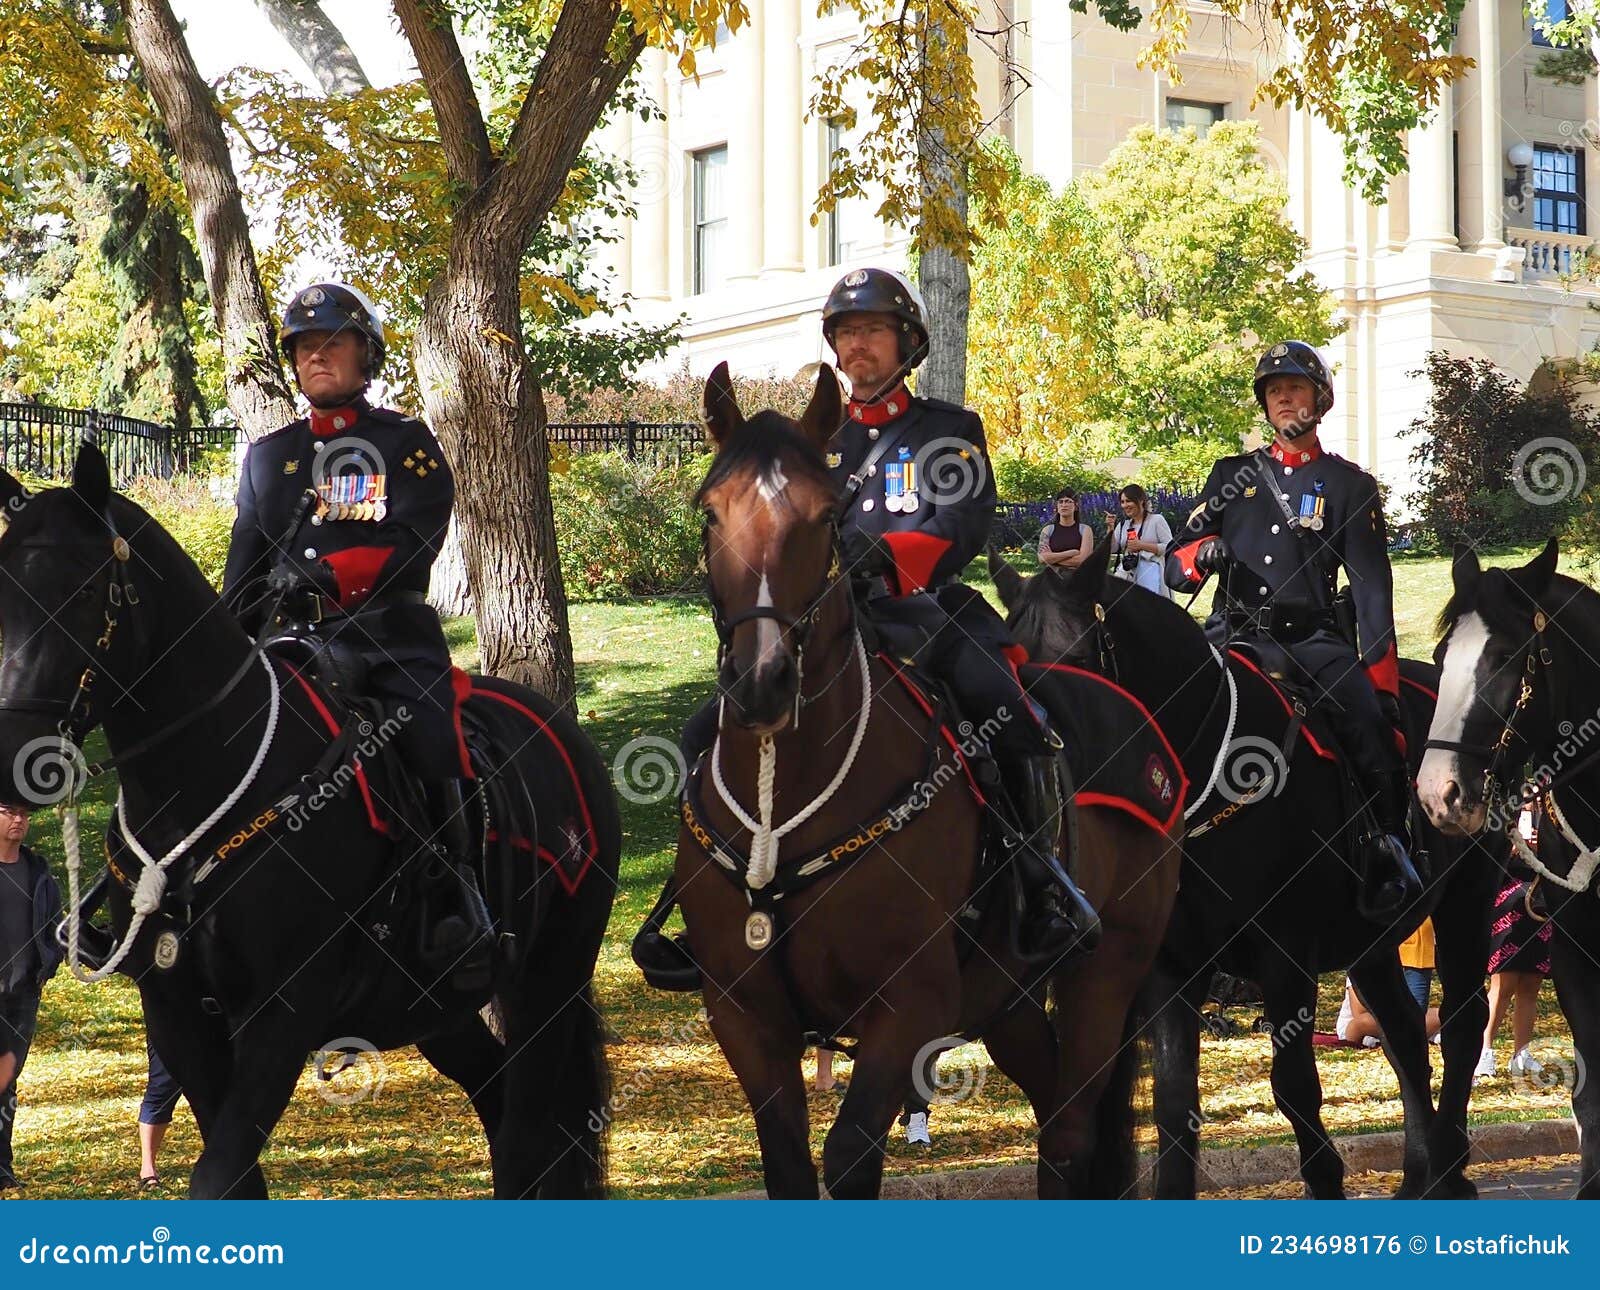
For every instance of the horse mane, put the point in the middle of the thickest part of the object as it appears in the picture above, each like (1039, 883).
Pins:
(1505, 604)
(766, 440)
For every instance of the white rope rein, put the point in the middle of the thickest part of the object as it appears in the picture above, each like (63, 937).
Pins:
(153, 877)
(1576, 879)
(1227, 735)
(765, 838)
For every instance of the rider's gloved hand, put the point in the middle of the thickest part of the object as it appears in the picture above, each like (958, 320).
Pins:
(1212, 556)
(289, 577)
(866, 554)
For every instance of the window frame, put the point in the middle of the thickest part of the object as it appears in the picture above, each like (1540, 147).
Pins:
(1575, 196)
(698, 285)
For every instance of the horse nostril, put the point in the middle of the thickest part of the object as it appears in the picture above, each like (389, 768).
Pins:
(1450, 795)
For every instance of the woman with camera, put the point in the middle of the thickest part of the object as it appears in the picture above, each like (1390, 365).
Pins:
(1139, 540)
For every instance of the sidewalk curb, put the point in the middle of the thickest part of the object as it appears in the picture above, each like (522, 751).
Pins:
(1228, 1168)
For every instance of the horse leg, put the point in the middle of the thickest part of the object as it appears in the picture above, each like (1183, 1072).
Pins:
(1289, 991)
(1577, 990)
(1023, 1046)
(269, 1052)
(1175, 1037)
(1094, 996)
(853, 1152)
(764, 1046)
(475, 1060)
(1382, 985)
(1461, 930)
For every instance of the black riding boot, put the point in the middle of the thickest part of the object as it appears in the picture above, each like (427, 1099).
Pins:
(1057, 916)
(458, 933)
(667, 962)
(1390, 880)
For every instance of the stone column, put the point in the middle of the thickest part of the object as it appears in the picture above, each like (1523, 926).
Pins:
(1491, 195)
(661, 175)
(1432, 179)
(786, 206)
(745, 171)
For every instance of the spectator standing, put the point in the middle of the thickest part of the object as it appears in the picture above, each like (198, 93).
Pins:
(30, 908)
(1066, 542)
(1139, 540)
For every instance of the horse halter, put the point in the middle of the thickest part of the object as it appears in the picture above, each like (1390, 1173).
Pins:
(799, 628)
(75, 716)
(1538, 655)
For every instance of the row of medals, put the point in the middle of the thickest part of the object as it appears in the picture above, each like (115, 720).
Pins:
(350, 511)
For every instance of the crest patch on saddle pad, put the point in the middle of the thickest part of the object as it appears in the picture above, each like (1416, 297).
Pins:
(1160, 782)
(574, 856)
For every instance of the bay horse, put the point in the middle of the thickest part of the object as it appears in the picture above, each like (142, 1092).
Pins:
(1521, 690)
(275, 933)
(855, 901)
(1270, 888)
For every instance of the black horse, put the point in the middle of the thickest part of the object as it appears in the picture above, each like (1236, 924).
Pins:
(1270, 889)
(1520, 685)
(280, 928)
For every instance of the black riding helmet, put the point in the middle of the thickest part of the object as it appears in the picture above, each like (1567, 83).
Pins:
(880, 291)
(1295, 358)
(333, 307)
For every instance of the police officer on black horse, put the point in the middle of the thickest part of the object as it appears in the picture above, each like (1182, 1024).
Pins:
(1277, 525)
(355, 573)
(907, 534)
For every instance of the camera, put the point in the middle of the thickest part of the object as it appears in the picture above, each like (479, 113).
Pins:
(1130, 562)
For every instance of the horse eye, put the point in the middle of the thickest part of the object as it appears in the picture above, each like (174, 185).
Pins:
(709, 515)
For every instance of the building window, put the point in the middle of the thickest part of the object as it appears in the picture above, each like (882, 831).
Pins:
(1555, 11)
(710, 218)
(1186, 112)
(1558, 190)
(852, 225)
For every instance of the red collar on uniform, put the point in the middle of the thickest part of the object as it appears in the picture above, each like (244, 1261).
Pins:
(332, 421)
(1295, 456)
(881, 411)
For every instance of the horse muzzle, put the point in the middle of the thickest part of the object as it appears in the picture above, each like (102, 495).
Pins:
(1451, 805)
(761, 698)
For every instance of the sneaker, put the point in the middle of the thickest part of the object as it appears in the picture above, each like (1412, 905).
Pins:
(1524, 1063)
(1485, 1066)
(917, 1129)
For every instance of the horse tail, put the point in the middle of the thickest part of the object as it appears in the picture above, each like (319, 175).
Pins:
(1114, 1163)
(582, 1111)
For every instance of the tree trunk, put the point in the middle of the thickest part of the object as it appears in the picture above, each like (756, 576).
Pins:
(483, 402)
(943, 276)
(257, 392)
(318, 40)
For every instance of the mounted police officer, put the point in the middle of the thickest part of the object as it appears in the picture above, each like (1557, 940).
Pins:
(921, 514)
(1277, 525)
(355, 573)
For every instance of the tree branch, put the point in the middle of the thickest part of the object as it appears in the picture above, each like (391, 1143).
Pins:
(455, 103)
(256, 389)
(574, 82)
(317, 39)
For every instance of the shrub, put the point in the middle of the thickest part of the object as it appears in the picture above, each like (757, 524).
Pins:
(627, 528)
(1500, 464)
(199, 522)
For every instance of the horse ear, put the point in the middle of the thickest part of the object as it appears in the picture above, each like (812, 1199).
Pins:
(12, 493)
(1464, 568)
(722, 409)
(1534, 577)
(1088, 581)
(1007, 581)
(820, 421)
(91, 477)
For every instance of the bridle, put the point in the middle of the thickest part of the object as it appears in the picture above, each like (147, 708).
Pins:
(1493, 755)
(799, 628)
(75, 716)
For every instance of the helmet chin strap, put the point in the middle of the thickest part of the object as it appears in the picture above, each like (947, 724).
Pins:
(332, 405)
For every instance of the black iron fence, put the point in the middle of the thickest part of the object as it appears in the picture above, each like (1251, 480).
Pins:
(39, 440)
(637, 440)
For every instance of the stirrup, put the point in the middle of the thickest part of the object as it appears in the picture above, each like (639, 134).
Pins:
(1382, 901)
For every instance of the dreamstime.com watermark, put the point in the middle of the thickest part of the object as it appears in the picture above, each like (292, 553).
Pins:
(159, 1249)
(370, 742)
(684, 1032)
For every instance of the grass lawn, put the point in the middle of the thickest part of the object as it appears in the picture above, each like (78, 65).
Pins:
(681, 1126)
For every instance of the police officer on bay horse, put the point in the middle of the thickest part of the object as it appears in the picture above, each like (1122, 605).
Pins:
(922, 512)
(359, 562)
(1278, 525)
